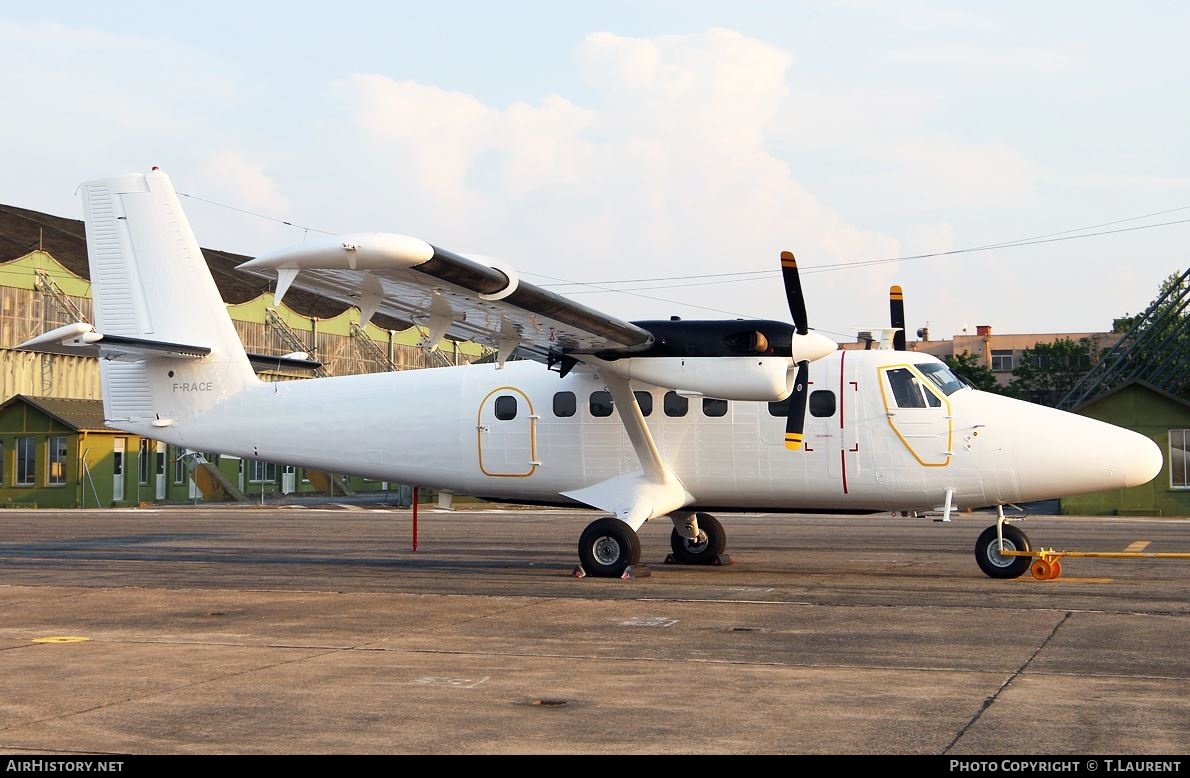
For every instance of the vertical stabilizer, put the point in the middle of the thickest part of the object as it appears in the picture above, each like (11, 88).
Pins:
(150, 282)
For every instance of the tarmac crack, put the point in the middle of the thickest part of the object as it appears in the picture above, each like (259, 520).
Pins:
(991, 699)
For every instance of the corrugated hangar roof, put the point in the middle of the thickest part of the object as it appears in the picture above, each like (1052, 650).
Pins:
(79, 415)
(23, 231)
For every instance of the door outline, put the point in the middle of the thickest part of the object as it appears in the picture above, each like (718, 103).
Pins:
(485, 428)
(932, 416)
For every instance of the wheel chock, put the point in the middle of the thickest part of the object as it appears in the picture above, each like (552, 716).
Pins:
(632, 571)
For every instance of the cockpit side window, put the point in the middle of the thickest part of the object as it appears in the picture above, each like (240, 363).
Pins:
(907, 390)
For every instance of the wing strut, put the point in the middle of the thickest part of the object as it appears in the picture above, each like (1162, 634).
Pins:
(644, 494)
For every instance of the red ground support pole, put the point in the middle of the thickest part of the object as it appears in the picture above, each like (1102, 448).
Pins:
(415, 518)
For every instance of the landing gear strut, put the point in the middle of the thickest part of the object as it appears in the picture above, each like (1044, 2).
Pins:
(608, 547)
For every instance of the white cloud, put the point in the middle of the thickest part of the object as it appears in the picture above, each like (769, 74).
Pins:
(87, 104)
(668, 171)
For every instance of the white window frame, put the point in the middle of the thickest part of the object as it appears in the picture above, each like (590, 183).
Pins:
(56, 451)
(1179, 440)
(28, 458)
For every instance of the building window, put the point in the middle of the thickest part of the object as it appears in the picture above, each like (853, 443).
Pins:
(260, 472)
(144, 465)
(2, 476)
(565, 404)
(675, 404)
(714, 408)
(645, 401)
(1179, 459)
(26, 461)
(179, 466)
(601, 404)
(1002, 360)
(56, 453)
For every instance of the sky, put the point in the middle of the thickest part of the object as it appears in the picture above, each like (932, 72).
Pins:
(650, 158)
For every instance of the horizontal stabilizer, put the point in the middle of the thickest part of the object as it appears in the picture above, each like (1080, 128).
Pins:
(294, 361)
(81, 339)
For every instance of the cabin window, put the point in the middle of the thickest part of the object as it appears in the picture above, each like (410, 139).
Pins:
(780, 407)
(714, 408)
(822, 403)
(565, 404)
(1179, 459)
(505, 407)
(56, 454)
(26, 461)
(601, 404)
(1001, 360)
(675, 404)
(907, 390)
(645, 401)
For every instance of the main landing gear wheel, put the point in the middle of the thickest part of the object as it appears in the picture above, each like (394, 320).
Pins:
(607, 547)
(706, 549)
(992, 562)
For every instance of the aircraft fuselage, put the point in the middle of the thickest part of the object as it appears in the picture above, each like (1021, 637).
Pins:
(879, 435)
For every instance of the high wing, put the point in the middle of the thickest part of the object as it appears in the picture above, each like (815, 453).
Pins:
(471, 298)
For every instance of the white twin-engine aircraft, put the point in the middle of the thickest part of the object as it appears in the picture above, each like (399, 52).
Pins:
(640, 419)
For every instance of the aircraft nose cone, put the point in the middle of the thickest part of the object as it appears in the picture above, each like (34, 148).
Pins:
(1138, 459)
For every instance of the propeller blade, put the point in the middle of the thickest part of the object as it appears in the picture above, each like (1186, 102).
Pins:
(793, 292)
(796, 421)
(896, 305)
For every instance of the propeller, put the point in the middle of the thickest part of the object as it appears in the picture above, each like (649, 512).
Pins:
(896, 305)
(805, 347)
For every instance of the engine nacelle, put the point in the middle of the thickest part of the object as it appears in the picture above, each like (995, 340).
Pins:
(760, 379)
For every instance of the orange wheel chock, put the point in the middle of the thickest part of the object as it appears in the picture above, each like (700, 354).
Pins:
(1041, 570)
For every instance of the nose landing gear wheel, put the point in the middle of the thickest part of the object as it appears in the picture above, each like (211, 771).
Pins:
(997, 565)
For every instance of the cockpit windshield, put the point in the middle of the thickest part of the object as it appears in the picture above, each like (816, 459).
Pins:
(941, 376)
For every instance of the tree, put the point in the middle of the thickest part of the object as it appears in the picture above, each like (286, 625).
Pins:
(1047, 372)
(967, 366)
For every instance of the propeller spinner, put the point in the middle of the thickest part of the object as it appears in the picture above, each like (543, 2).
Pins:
(805, 347)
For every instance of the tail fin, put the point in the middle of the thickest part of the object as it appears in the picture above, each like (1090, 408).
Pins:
(152, 288)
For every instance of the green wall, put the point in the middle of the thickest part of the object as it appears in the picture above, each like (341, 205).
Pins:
(1151, 413)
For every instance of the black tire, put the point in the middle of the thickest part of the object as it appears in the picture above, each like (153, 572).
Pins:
(607, 547)
(995, 565)
(701, 552)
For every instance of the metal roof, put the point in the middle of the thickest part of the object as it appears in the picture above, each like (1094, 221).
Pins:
(79, 415)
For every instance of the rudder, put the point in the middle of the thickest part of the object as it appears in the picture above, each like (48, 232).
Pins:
(151, 283)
